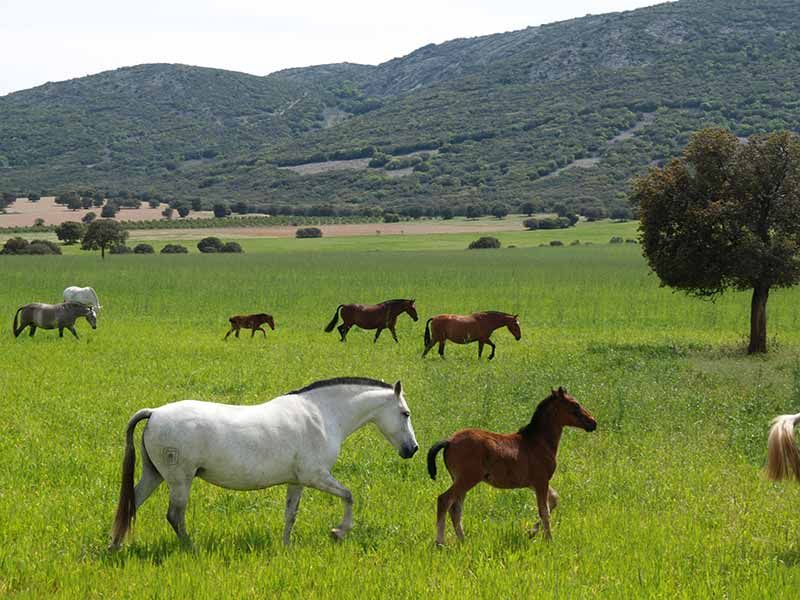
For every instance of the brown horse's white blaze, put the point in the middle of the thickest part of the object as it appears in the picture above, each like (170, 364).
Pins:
(253, 322)
(525, 459)
(465, 329)
(372, 316)
(783, 455)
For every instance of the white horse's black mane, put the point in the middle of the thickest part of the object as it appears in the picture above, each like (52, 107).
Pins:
(365, 381)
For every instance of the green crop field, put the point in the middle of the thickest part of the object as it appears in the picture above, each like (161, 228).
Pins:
(666, 499)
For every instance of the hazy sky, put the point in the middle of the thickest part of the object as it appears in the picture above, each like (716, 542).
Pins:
(53, 40)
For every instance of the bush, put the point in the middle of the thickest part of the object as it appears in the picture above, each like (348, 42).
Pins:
(391, 218)
(231, 247)
(210, 244)
(308, 232)
(121, 249)
(631, 241)
(615, 240)
(547, 223)
(22, 246)
(485, 242)
(174, 249)
(556, 243)
(70, 232)
(109, 210)
(221, 210)
(575, 243)
(89, 217)
(143, 249)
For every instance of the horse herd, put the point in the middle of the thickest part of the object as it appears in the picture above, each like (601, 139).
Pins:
(295, 439)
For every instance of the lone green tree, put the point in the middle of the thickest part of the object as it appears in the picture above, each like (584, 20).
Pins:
(725, 216)
(102, 234)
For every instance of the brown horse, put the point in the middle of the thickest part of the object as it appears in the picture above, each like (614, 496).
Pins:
(253, 322)
(372, 316)
(526, 459)
(464, 329)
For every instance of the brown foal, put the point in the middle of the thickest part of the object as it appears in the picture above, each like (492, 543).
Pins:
(464, 329)
(253, 322)
(525, 459)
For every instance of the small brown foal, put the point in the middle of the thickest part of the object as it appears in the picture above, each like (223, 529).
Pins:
(525, 459)
(253, 322)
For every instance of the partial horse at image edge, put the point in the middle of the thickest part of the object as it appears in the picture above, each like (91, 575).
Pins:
(783, 455)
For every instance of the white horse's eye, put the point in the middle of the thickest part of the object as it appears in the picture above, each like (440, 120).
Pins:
(406, 414)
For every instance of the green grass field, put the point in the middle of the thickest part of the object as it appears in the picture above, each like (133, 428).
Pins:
(666, 499)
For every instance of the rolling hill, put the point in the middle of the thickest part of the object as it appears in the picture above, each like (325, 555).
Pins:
(561, 113)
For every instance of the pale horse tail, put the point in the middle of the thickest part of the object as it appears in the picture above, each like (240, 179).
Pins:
(783, 456)
(126, 509)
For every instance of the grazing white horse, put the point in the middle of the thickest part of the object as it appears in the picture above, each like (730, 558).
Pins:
(783, 455)
(292, 439)
(83, 295)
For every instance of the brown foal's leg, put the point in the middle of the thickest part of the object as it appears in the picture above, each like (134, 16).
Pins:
(456, 510)
(542, 500)
(441, 348)
(261, 329)
(452, 501)
(230, 331)
(377, 333)
(480, 348)
(552, 502)
(491, 356)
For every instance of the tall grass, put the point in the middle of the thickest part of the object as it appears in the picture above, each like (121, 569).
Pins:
(665, 500)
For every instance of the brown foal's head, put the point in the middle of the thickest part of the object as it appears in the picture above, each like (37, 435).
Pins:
(569, 411)
(265, 318)
(513, 327)
(411, 309)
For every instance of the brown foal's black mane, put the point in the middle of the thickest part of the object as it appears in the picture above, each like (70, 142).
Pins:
(539, 416)
(365, 381)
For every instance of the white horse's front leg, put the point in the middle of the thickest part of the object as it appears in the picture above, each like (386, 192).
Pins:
(293, 493)
(327, 483)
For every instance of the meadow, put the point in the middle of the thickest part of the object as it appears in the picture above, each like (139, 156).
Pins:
(666, 499)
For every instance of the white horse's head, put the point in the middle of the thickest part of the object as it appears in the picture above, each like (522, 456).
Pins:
(91, 316)
(394, 421)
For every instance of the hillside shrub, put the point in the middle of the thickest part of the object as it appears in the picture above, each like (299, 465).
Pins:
(615, 240)
(391, 218)
(174, 249)
(556, 243)
(231, 247)
(308, 232)
(121, 249)
(484, 242)
(143, 249)
(210, 245)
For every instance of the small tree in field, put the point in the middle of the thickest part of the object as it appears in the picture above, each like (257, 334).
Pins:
(725, 215)
(89, 217)
(499, 210)
(74, 203)
(104, 234)
(70, 232)
(527, 208)
(109, 210)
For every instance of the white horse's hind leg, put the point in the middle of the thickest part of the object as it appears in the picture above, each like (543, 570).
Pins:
(149, 481)
(176, 513)
(327, 483)
(293, 493)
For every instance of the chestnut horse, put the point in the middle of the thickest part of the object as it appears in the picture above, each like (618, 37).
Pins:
(464, 329)
(372, 316)
(526, 459)
(253, 322)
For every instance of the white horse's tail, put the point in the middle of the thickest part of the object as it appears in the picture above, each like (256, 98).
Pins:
(126, 509)
(783, 455)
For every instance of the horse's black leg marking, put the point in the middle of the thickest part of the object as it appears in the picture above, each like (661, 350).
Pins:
(75, 333)
(253, 332)
(343, 329)
(264, 332)
(480, 348)
(491, 356)
(428, 349)
(377, 333)
(33, 329)
(237, 332)
(60, 332)
(394, 333)
(230, 331)
(441, 348)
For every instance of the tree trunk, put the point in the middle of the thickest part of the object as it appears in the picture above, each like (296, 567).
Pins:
(758, 320)
(103, 255)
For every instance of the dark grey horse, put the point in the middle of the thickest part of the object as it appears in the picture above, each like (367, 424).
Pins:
(52, 316)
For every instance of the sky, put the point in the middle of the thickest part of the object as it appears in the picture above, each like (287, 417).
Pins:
(54, 40)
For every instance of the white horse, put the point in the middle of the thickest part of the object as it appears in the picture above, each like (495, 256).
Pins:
(83, 295)
(293, 439)
(783, 455)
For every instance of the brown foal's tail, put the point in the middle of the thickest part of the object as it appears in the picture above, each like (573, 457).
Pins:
(432, 457)
(783, 456)
(14, 324)
(335, 319)
(428, 338)
(126, 509)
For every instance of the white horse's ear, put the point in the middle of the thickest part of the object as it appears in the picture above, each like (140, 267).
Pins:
(398, 388)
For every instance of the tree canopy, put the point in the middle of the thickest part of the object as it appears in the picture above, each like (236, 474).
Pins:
(725, 215)
(102, 234)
